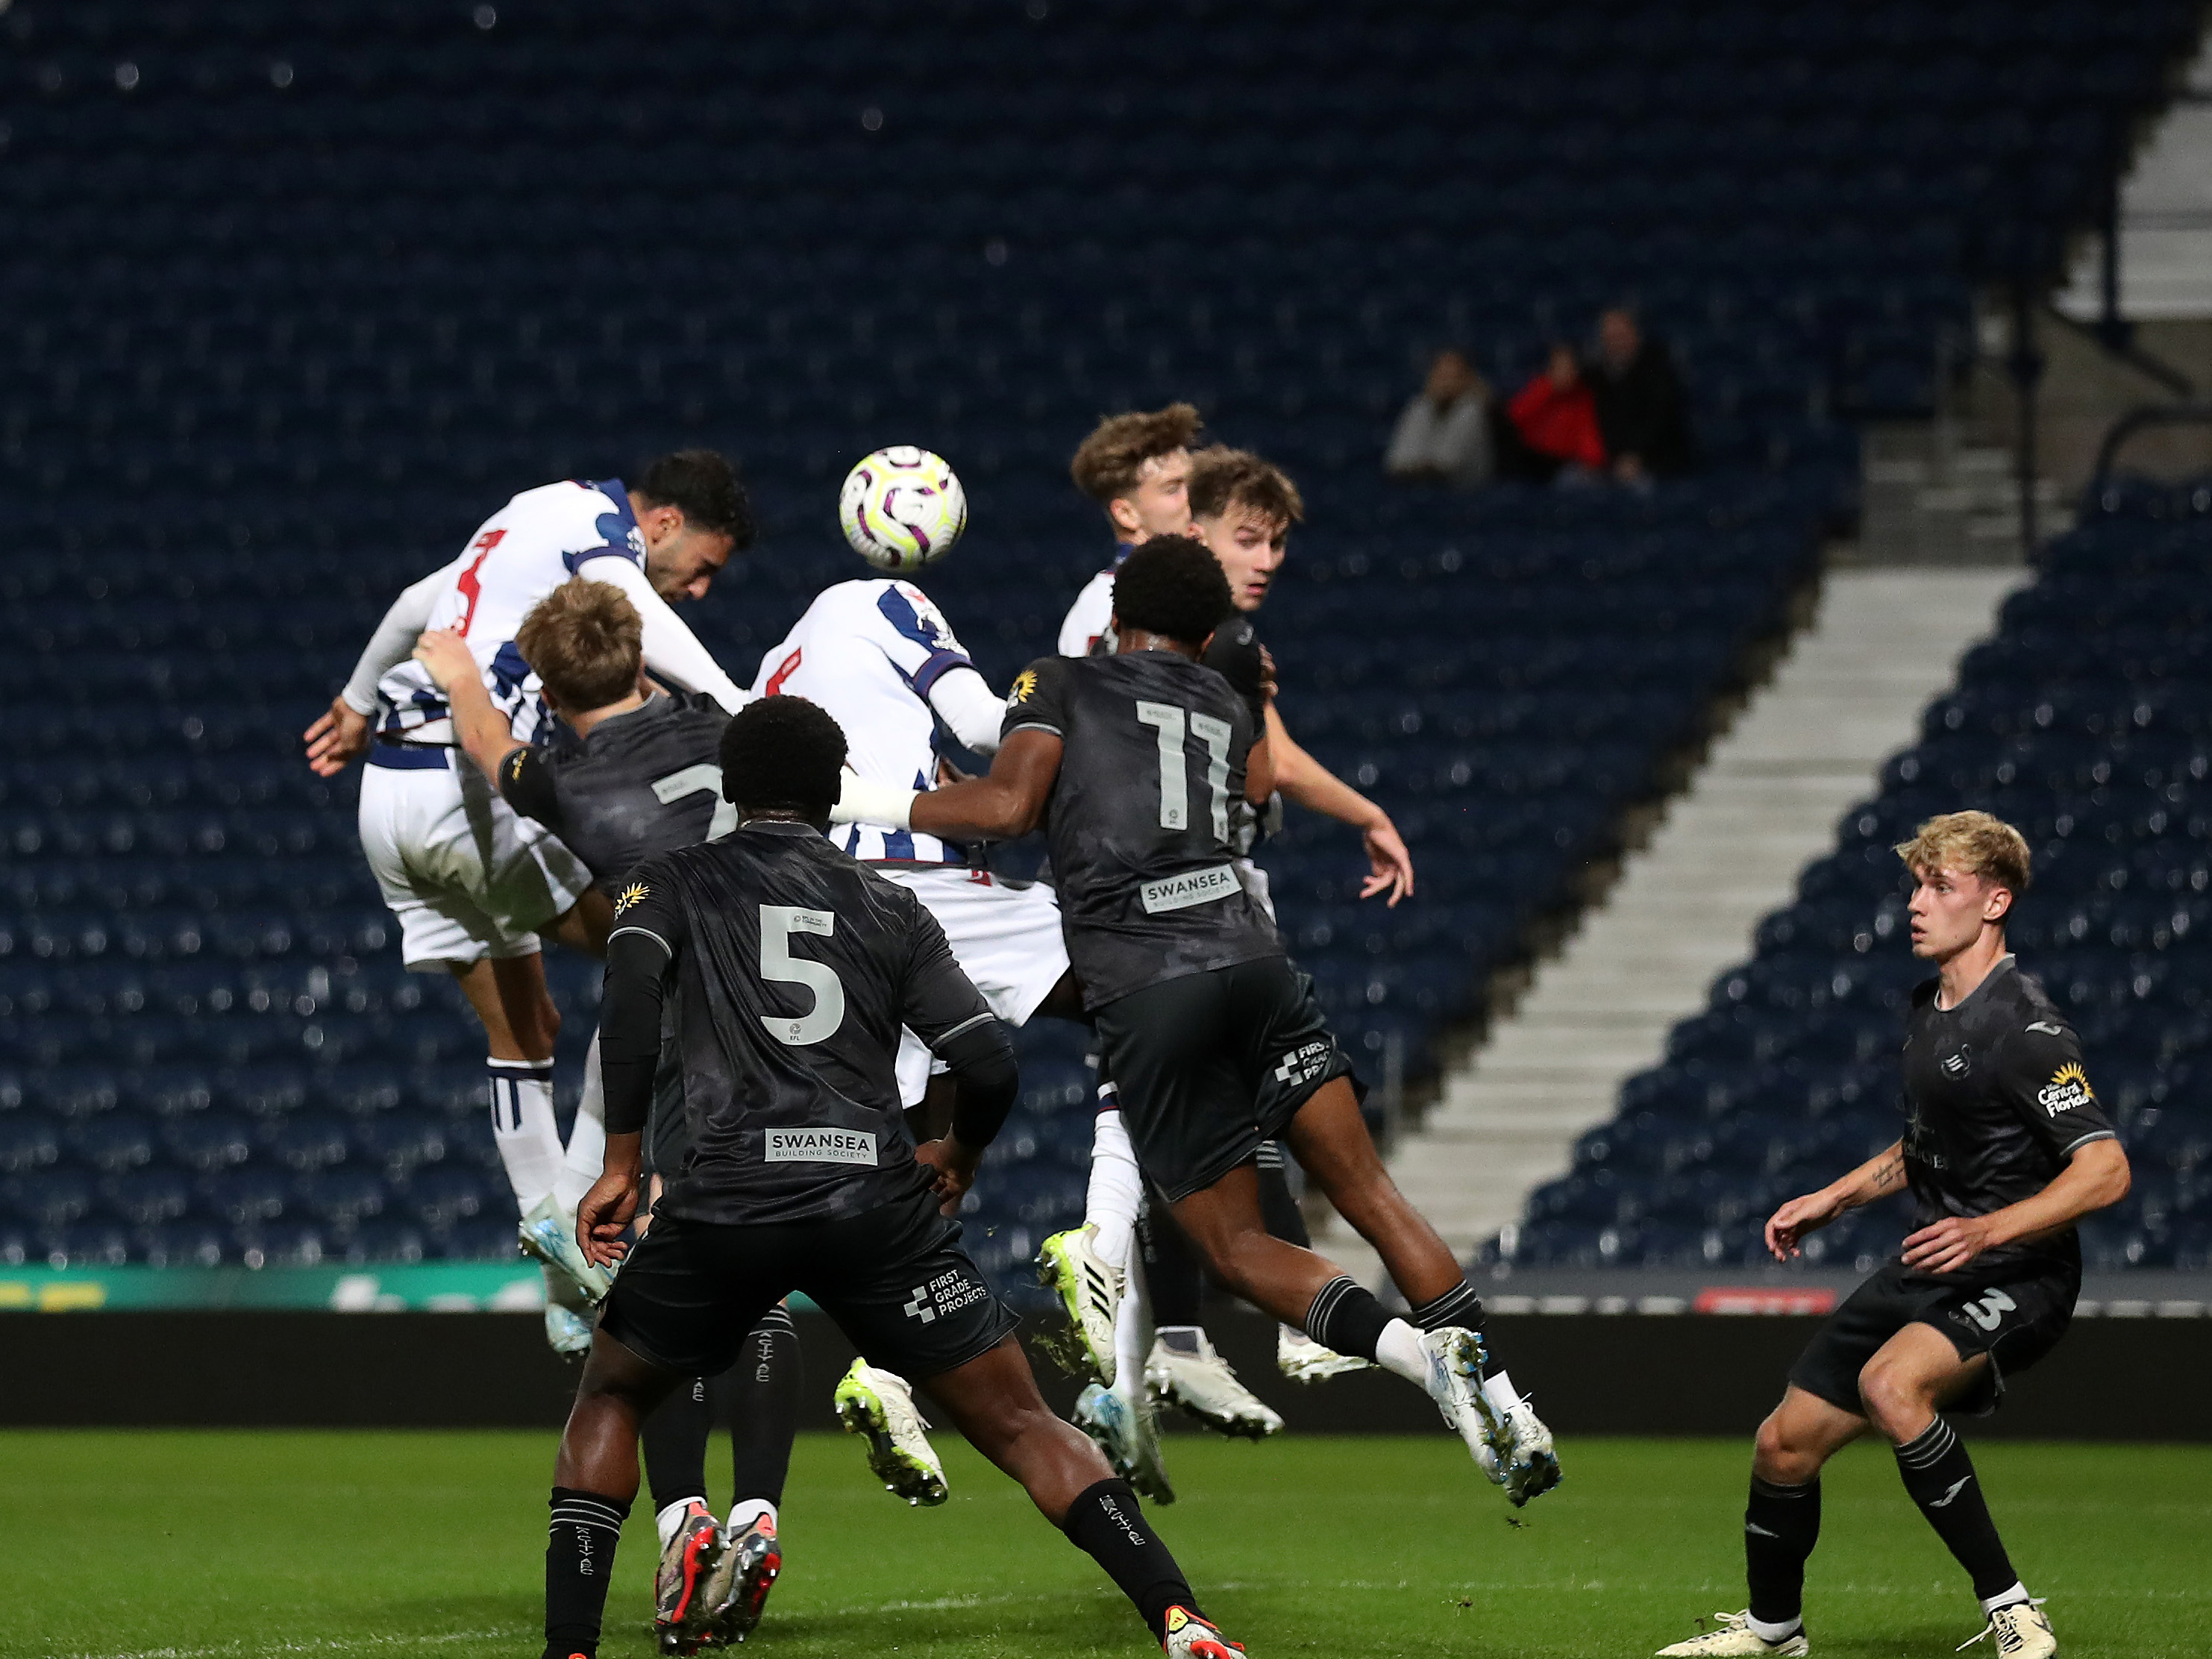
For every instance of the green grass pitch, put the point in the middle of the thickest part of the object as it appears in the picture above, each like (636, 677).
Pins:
(207, 1545)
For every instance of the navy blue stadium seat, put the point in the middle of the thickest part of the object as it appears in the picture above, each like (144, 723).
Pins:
(236, 427)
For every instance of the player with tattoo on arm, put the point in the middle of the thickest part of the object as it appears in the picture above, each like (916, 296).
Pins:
(2005, 1149)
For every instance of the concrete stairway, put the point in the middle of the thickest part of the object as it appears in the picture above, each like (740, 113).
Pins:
(1883, 643)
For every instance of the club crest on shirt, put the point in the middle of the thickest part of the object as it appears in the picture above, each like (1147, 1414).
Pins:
(629, 896)
(2068, 1091)
(1025, 683)
(1958, 1065)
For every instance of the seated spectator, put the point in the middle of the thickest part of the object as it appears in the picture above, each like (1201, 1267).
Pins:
(1553, 419)
(1443, 435)
(1641, 412)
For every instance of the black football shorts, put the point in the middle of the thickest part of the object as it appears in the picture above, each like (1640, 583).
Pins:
(895, 1279)
(1211, 1064)
(2016, 1324)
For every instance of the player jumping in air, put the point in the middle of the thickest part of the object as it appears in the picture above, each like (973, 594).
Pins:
(1141, 471)
(786, 969)
(472, 884)
(1133, 763)
(623, 773)
(881, 659)
(2005, 1149)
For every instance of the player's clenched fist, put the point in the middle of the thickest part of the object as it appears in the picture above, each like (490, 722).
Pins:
(445, 656)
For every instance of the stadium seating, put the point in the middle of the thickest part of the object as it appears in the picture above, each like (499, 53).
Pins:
(315, 289)
(2087, 720)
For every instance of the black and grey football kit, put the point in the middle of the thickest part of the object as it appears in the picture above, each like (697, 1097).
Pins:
(645, 782)
(790, 967)
(1141, 830)
(1998, 1101)
(636, 784)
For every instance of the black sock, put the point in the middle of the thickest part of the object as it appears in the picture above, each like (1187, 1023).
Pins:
(1940, 1478)
(1174, 1276)
(674, 1437)
(1105, 1523)
(1345, 1317)
(1781, 1524)
(1279, 1207)
(1458, 1306)
(580, 1561)
(759, 1398)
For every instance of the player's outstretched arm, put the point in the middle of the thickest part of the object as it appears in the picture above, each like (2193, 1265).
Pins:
(672, 653)
(1882, 1173)
(2096, 1176)
(1008, 802)
(1314, 786)
(485, 732)
(341, 734)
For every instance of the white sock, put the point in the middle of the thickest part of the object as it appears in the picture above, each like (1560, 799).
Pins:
(523, 1126)
(1766, 1632)
(587, 1137)
(1399, 1349)
(2006, 1598)
(1501, 1391)
(1132, 1335)
(1116, 1188)
(746, 1511)
(667, 1520)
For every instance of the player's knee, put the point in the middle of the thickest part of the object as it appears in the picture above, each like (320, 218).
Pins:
(1893, 1398)
(1778, 1455)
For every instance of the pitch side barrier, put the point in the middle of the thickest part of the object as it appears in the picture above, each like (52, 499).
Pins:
(2132, 1368)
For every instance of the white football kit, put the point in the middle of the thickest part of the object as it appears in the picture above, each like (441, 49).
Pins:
(884, 662)
(467, 878)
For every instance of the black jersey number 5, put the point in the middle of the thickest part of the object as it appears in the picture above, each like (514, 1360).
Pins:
(1171, 723)
(778, 923)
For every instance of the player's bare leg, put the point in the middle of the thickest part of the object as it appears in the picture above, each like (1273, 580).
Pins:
(1437, 1349)
(1904, 1387)
(510, 999)
(992, 1400)
(1781, 1524)
(594, 1481)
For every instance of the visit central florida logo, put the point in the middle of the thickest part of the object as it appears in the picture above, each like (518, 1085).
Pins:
(2068, 1091)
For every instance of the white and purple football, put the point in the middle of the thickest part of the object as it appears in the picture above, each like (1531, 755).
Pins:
(902, 508)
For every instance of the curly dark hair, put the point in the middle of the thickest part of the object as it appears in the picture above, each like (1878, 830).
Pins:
(783, 752)
(705, 488)
(1111, 460)
(1172, 587)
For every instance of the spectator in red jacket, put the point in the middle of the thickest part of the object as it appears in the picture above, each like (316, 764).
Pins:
(1554, 420)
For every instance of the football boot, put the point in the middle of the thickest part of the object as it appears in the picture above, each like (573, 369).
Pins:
(878, 1405)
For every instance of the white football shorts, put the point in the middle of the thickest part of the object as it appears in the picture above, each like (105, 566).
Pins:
(1007, 939)
(466, 876)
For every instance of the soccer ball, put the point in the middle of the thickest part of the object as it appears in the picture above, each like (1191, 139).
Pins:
(902, 508)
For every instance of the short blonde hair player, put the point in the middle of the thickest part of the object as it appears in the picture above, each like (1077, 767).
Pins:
(2005, 1149)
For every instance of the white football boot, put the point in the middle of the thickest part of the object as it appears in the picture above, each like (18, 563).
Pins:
(1128, 1437)
(548, 1233)
(567, 1333)
(1523, 1448)
(2022, 1632)
(878, 1404)
(1190, 1637)
(1733, 1638)
(1302, 1359)
(1204, 1386)
(1090, 1292)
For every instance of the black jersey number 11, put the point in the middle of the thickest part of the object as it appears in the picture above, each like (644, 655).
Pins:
(1171, 724)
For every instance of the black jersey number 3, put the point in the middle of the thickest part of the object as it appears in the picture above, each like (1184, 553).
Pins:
(778, 923)
(1171, 723)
